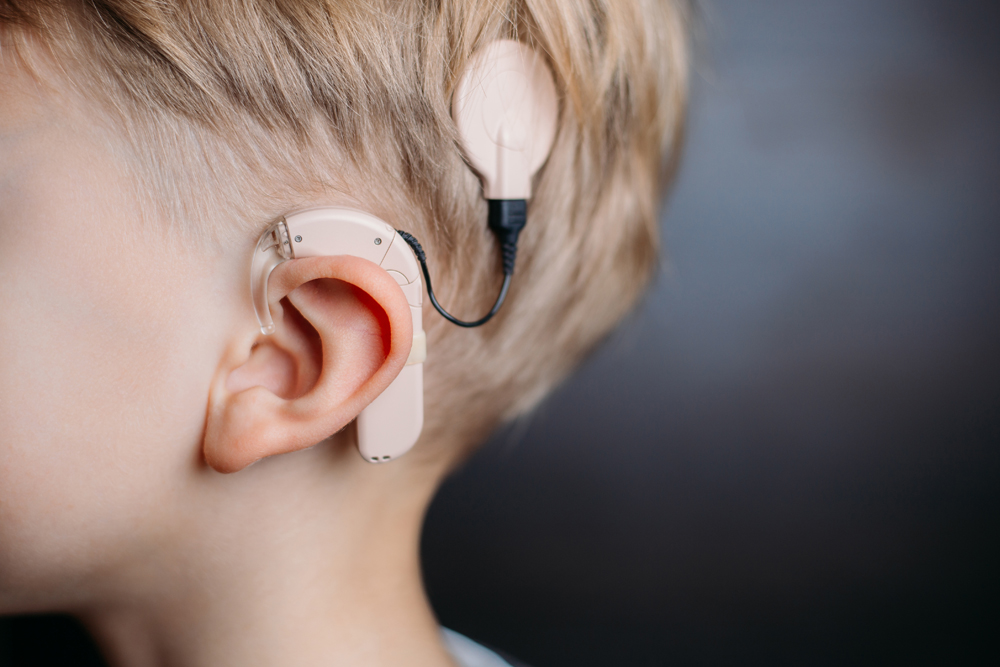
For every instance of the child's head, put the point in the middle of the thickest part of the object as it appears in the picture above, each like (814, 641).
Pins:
(144, 146)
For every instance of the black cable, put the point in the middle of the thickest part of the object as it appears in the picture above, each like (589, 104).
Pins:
(422, 258)
(506, 218)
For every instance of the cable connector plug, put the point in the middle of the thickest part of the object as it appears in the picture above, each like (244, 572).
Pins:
(507, 218)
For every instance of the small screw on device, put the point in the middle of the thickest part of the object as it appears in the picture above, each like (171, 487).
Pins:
(378, 241)
(298, 239)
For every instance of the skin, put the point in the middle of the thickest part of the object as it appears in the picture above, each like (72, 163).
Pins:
(157, 473)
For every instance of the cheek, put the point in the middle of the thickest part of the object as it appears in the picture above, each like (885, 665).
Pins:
(104, 375)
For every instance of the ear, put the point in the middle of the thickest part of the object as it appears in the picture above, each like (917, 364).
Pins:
(343, 331)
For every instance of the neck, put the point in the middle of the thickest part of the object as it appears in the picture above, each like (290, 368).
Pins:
(317, 565)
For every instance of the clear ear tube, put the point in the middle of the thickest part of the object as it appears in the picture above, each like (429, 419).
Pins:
(273, 248)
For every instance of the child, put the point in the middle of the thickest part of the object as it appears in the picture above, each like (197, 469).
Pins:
(144, 147)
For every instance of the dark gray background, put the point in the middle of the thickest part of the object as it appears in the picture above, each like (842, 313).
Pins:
(789, 456)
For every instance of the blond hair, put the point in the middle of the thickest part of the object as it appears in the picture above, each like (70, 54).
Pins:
(235, 111)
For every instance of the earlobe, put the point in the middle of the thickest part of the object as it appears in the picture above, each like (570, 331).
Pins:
(343, 334)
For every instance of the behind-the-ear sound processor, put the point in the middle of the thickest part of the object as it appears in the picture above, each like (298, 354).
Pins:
(505, 108)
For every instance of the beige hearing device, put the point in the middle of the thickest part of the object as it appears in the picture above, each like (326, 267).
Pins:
(391, 424)
(505, 108)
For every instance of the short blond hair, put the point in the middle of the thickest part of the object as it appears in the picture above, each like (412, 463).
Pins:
(234, 111)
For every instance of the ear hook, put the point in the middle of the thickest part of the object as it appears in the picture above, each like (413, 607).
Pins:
(505, 108)
(272, 249)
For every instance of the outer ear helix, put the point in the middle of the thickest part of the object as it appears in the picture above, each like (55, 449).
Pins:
(391, 425)
(350, 336)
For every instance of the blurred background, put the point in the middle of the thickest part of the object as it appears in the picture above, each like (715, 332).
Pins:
(791, 453)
